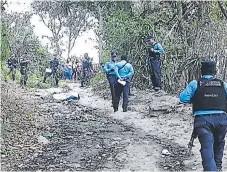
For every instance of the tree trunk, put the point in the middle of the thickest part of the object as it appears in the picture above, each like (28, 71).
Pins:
(100, 34)
(69, 43)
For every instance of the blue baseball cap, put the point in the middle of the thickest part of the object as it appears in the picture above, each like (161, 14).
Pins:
(150, 37)
(113, 54)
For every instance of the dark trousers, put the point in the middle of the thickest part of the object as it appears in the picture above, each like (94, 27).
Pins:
(211, 131)
(49, 74)
(12, 70)
(118, 91)
(24, 76)
(85, 74)
(74, 74)
(155, 65)
(112, 81)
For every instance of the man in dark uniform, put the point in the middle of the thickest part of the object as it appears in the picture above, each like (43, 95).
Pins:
(23, 71)
(109, 69)
(208, 96)
(154, 62)
(86, 68)
(12, 65)
(124, 72)
(54, 67)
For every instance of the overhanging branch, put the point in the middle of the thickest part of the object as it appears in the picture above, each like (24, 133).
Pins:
(224, 12)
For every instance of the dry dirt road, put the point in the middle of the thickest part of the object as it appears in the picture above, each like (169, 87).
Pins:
(86, 134)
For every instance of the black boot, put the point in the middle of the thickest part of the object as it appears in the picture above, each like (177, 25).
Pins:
(115, 110)
(125, 109)
(56, 83)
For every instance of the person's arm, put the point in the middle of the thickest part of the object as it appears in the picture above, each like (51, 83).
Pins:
(106, 68)
(51, 64)
(158, 49)
(225, 86)
(188, 93)
(117, 73)
(130, 73)
(147, 60)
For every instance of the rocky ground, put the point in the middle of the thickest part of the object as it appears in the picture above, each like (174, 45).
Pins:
(41, 131)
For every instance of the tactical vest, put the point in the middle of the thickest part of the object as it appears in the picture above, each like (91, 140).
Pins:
(23, 64)
(152, 54)
(209, 95)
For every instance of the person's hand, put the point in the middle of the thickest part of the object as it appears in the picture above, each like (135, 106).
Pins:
(152, 49)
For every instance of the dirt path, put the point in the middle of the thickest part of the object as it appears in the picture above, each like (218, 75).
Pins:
(87, 135)
(173, 124)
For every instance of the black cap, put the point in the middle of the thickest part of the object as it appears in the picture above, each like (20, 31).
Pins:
(208, 67)
(208, 64)
(150, 37)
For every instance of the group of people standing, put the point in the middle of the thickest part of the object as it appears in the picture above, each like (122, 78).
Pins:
(22, 64)
(117, 72)
(72, 69)
(123, 71)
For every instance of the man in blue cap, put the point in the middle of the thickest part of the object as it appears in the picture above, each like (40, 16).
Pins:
(208, 96)
(154, 62)
(109, 69)
(124, 72)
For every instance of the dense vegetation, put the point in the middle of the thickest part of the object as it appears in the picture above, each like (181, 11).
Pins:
(18, 38)
(188, 31)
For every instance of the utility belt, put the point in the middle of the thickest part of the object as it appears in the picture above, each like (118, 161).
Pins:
(155, 58)
(110, 75)
(215, 114)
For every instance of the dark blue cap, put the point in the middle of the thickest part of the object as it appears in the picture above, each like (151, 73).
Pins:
(113, 54)
(150, 37)
(208, 64)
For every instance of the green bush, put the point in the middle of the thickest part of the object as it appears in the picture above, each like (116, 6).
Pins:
(34, 80)
(99, 82)
(62, 83)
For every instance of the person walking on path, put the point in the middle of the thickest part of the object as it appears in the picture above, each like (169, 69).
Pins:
(124, 72)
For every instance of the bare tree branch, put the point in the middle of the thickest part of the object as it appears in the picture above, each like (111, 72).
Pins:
(224, 12)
